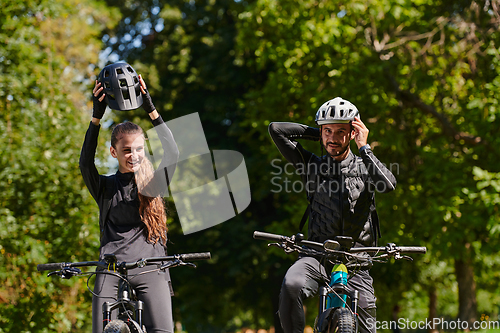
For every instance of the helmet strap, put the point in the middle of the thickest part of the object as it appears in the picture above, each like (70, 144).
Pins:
(321, 141)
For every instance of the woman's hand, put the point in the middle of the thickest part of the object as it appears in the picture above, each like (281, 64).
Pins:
(360, 132)
(147, 103)
(99, 104)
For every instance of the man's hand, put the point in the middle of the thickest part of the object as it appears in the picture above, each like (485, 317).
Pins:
(360, 132)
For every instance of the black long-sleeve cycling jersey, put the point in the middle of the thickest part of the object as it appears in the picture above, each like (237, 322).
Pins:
(122, 230)
(341, 194)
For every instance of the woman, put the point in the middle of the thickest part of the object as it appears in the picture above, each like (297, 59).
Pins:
(132, 224)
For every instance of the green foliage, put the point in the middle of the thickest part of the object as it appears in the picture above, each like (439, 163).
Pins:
(425, 82)
(420, 72)
(424, 75)
(46, 213)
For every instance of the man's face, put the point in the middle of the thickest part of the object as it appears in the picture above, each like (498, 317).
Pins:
(129, 152)
(335, 139)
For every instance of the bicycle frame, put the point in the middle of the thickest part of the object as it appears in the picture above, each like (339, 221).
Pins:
(338, 251)
(123, 303)
(127, 303)
(324, 312)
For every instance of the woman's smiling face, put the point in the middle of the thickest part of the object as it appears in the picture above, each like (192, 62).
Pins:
(129, 152)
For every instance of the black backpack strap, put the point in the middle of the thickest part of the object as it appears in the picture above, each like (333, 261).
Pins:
(305, 217)
(306, 213)
(375, 222)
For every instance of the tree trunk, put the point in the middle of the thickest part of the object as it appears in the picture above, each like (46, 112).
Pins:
(395, 317)
(432, 307)
(467, 302)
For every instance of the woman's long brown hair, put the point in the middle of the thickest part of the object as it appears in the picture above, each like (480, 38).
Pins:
(151, 209)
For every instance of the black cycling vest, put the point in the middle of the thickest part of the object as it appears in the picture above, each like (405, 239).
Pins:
(342, 202)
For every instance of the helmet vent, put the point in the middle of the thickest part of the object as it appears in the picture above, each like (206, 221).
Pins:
(130, 69)
(136, 80)
(123, 83)
(119, 71)
(106, 73)
(329, 110)
(106, 84)
(126, 95)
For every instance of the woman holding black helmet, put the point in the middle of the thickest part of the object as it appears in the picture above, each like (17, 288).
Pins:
(132, 216)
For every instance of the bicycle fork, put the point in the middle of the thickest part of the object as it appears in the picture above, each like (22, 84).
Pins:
(124, 303)
(340, 289)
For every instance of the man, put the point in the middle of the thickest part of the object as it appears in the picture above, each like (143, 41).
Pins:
(341, 190)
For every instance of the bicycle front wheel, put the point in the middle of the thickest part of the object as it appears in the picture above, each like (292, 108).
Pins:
(116, 326)
(342, 322)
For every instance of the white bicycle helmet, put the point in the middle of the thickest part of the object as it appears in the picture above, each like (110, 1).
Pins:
(121, 86)
(336, 111)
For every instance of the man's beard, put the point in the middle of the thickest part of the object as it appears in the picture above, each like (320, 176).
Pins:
(342, 150)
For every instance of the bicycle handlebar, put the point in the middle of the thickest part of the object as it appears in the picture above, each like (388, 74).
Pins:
(49, 266)
(281, 239)
(401, 249)
(195, 256)
(60, 265)
(321, 246)
(145, 261)
(269, 237)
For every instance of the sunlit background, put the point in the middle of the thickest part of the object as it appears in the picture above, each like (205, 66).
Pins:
(425, 75)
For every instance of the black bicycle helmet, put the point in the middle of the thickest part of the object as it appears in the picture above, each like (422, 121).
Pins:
(121, 86)
(336, 111)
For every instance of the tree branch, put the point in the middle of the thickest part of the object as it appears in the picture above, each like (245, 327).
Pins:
(409, 99)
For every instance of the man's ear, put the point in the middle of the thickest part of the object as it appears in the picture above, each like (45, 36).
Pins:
(112, 150)
(353, 132)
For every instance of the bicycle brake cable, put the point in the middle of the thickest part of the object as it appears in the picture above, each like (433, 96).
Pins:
(330, 290)
(90, 274)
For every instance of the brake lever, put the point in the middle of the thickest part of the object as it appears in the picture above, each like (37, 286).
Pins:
(66, 272)
(393, 250)
(176, 263)
(282, 246)
(173, 263)
(54, 273)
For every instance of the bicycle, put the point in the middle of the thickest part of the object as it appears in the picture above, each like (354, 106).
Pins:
(130, 308)
(336, 313)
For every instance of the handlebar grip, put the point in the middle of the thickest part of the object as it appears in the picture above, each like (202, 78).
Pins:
(413, 249)
(50, 266)
(196, 256)
(268, 236)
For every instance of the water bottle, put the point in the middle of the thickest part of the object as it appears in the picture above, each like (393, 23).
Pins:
(339, 275)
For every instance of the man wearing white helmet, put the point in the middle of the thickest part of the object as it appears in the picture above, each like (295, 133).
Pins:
(341, 190)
